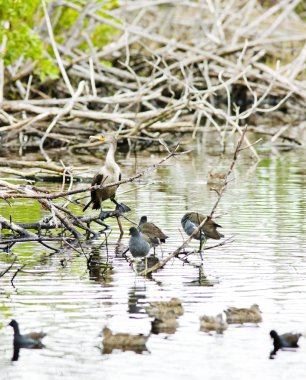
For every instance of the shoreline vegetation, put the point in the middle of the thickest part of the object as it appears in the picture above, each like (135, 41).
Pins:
(151, 70)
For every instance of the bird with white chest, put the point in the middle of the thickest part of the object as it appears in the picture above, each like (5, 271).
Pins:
(110, 172)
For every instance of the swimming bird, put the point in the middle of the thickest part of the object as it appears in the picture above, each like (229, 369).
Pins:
(139, 244)
(109, 172)
(191, 220)
(123, 341)
(154, 233)
(161, 309)
(287, 340)
(166, 323)
(30, 340)
(243, 315)
(211, 323)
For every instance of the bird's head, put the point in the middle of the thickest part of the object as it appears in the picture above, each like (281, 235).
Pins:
(134, 231)
(143, 219)
(100, 138)
(13, 323)
(273, 334)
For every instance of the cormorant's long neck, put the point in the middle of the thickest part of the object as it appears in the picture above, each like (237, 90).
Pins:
(110, 157)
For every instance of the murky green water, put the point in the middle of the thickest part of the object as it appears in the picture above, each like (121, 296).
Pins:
(264, 208)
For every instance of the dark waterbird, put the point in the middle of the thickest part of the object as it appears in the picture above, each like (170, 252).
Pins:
(190, 222)
(30, 340)
(109, 172)
(287, 340)
(139, 244)
(154, 233)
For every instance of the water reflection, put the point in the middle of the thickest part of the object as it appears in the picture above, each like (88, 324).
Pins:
(135, 294)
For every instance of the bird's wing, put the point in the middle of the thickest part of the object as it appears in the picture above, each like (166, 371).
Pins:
(98, 179)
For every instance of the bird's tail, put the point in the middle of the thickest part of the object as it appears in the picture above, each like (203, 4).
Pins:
(87, 205)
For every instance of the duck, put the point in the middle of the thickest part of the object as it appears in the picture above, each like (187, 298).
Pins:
(123, 341)
(109, 172)
(160, 309)
(190, 222)
(139, 244)
(243, 315)
(287, 340)
(211, 323)
(153, 232)
(30, 340)
(166, 323)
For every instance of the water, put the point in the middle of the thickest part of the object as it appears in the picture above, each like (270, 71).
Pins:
(264, 208)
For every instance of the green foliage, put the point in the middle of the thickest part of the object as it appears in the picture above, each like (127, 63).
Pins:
(23, 41)
(21, 38)
(102, 34)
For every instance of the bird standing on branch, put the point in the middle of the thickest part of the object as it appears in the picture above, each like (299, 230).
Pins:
(191, 221)
(110, 172)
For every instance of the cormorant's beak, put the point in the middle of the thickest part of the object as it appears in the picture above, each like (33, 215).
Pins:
(99, 138)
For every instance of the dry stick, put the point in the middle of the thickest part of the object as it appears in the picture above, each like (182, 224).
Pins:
(31, 164)
(17, 188)
(39, 239)
(27, 190)
(68, 107)
(186, 242)
(15, 227)
(15, 274)
(9, 267)
(55, 50)
(5, 26)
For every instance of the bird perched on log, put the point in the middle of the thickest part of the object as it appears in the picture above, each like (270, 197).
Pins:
(190, 222)
(243, 315)
(109, 172)
(123, 341)
(154, 233)
(30, 340)
(287, 340)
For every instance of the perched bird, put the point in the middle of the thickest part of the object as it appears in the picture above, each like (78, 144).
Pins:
(123, 341)
(109, 172)
(243, 315)
(161, 309)
(210, 323)
(30, 340)
(217, 179)
(287, 340)
(139, 244)
(191, 220)
(154, 233)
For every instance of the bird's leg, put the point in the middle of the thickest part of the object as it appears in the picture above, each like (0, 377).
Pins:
(121, 207)
(273, 353)
(103, 215)
(202, 240)
(146, 264)
(120, 226)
